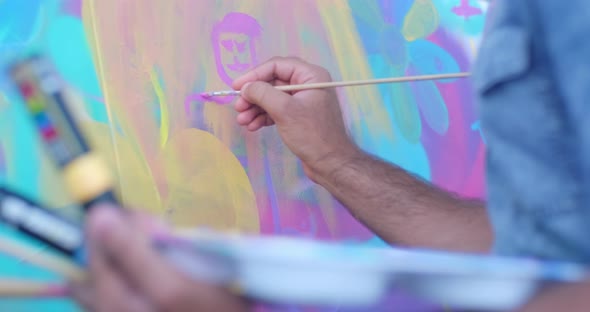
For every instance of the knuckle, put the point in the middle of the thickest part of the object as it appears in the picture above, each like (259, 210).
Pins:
(255, 92)
(323, 74)
(275, 59)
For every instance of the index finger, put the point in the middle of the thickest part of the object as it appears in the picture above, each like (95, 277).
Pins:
(281, 68)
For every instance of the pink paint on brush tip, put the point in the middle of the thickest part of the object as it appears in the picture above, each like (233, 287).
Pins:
(204, 97)
(57, 290)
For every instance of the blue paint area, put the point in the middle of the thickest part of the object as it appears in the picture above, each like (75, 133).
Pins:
(428, 59)
(387, 41)
(20, 23)
(432, 106)
(476, 126)
(272, 195)
(42, 120)
(394, 10)
(393, 47)
(391, 13)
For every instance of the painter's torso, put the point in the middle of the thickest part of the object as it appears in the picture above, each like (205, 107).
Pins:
(535, 196)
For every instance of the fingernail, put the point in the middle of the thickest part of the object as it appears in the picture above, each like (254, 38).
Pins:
(245, 86)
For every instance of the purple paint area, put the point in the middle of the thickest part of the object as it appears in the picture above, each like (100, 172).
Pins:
(72, 7)
(274, 206)
(387, 7)
(204, 98)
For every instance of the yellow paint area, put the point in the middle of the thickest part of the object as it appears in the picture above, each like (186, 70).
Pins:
(207, 185)
(421, 21)
(164, 118)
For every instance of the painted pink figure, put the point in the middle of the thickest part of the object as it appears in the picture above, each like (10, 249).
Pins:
(234, 45)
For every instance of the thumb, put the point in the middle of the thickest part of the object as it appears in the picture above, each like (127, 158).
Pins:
(269, 98)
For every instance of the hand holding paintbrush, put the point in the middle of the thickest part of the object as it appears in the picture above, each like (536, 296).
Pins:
(335, 84)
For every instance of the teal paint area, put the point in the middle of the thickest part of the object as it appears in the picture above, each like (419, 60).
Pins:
(16, 268)
(67, 46)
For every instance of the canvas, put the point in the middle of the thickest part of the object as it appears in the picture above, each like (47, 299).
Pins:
(141, 65)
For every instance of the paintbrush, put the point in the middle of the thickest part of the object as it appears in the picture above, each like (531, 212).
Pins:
(323, 85)
(35, 289)
(47, 261)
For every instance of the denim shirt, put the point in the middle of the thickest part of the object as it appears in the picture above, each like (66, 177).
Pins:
(532, 79)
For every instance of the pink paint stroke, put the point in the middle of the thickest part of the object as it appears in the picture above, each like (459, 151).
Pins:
(466, 10)
(235, 23)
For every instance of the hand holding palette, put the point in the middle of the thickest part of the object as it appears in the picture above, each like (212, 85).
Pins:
(283, 270)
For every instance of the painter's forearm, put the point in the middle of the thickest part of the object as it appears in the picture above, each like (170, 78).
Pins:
(405, 210)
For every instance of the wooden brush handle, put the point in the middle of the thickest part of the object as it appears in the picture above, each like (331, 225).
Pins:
(323, 85)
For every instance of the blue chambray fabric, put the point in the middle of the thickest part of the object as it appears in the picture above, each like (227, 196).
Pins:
(532, 80)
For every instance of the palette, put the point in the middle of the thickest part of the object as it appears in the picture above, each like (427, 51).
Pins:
(285, 270)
